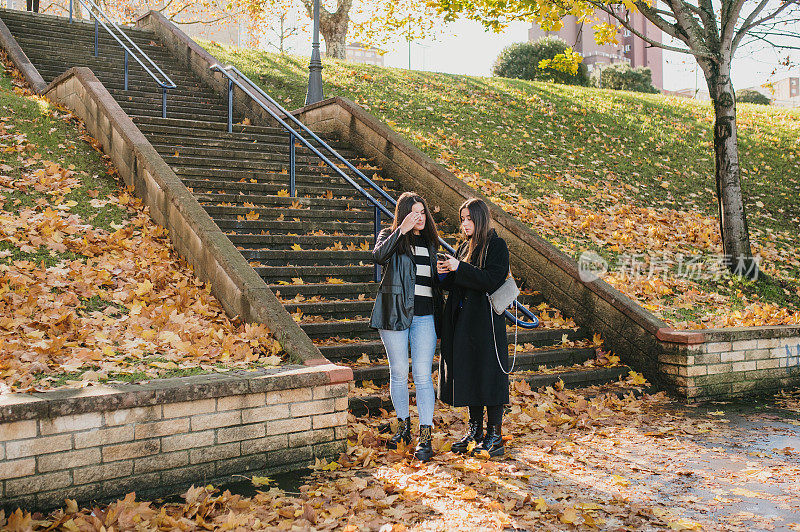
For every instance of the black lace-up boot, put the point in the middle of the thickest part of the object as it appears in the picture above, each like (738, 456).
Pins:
(473, 436)
(492, 443)
(424, 450)
(403, 433)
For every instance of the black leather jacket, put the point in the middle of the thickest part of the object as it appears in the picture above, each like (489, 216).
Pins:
(394, 303)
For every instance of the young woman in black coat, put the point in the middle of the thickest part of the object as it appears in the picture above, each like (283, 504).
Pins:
(471, 353)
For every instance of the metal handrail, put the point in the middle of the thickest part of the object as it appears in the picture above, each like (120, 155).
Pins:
(95, 12)
(379, 207)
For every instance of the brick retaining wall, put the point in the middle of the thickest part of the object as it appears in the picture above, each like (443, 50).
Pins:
(734, 362)
(101, 442)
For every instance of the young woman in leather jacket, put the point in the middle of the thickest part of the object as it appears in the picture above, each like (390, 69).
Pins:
(408, 310)
(469, 372)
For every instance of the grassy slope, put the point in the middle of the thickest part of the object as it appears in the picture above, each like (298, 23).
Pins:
(639, 167)
(44, 300)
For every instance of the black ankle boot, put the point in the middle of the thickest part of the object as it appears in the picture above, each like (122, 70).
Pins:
(403, 433)
(474, 435)
(424, 451)
(492, 443)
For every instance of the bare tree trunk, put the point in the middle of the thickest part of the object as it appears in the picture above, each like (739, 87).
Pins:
(732, 215)
(333, 26)
(334, 31)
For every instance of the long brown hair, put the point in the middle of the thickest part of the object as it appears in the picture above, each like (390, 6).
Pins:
(479, 241)
(401, 210)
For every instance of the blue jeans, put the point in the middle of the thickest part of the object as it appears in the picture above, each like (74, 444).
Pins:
(422, 338)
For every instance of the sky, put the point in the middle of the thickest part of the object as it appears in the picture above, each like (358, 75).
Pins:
(464, 47)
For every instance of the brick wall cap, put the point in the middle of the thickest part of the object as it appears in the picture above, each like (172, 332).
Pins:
(16, 407)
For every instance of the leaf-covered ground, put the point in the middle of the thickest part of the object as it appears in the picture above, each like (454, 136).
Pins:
(628, 176)
(90, 288)
(576, 460)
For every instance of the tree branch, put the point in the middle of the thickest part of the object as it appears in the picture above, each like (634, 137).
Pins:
(694, 34)
(729, 27)
(706, 13)
(749, 24)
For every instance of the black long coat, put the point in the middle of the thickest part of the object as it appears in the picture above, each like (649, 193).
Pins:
(469, 374)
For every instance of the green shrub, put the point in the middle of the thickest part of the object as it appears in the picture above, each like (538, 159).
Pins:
(521, 60)
(621, 77)
(752, 96)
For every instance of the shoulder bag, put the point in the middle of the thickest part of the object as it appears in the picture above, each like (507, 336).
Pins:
(499, 301)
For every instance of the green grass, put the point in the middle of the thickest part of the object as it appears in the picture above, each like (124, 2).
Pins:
(50, 138)
(646, 150)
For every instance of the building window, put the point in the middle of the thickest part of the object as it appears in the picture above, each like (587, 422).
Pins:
(627, 48)
(627, 32)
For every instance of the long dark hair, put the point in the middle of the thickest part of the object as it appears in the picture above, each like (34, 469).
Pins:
(401, 210)
(479, 241)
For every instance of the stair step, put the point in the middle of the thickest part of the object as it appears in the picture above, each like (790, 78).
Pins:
(233, 179)
(272, 213)
(316, 274)
(525, 361)
(326, 290)
(44, 20)
(237, 143)
(44, 57)
(360, 328)
(218, 131)
(371, 404)
(351, 351)
(193, 125)
(337, 308)
(255, 152)
(282, 201)
(290, 257)
(207, 186)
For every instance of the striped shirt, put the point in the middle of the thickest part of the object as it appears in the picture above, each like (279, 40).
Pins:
(423, 291)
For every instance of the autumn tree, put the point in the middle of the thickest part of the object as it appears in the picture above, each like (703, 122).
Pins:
(712, 32)
(371, 22)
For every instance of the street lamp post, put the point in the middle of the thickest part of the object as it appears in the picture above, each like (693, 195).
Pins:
(314, 93)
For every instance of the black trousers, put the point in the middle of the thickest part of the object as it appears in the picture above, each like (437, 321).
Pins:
(33, 5)
(494, 414)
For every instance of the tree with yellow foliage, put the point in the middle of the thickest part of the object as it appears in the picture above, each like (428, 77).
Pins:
(712, 32)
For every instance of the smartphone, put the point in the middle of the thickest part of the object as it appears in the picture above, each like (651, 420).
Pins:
(441, 257)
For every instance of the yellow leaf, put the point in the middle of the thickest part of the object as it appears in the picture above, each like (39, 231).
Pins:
(283, 193)
(296, 247)
(252, 215)
(297, 280)
(469, 494)
(569, 516)
(636, 379)
(620, 481)
(261, 481)
(334, 280)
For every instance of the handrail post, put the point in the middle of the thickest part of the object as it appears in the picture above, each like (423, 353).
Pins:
(70, 11)
(376, 231)
(126, 69)
(292, 159)
(230, 105)
(96, 35)
(163, 102)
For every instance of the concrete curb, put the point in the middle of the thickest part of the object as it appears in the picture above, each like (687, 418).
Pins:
(20, 60)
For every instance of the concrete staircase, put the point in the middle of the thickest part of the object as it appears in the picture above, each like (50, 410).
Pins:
(312, 250)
